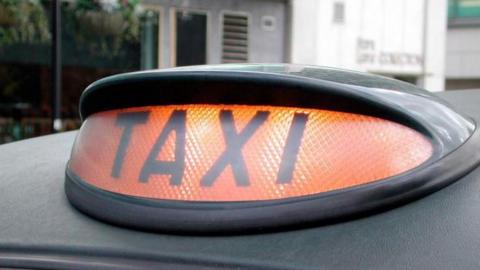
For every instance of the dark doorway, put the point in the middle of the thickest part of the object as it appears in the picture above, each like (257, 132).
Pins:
(191, 38)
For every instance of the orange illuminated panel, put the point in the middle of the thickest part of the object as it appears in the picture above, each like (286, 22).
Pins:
(240, 153)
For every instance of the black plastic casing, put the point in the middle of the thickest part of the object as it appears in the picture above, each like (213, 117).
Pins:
(453, 136)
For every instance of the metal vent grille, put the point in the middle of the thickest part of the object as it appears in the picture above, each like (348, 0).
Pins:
(235, 38)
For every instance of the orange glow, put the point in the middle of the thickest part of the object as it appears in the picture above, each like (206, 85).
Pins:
(336, 150)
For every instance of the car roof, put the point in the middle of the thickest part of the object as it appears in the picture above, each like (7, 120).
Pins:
(40, 229)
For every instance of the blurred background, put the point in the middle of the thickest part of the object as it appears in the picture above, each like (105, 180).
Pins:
(50, 50)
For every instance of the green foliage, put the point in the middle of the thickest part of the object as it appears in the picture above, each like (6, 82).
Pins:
(106, 28)
(87, 5)
(23, 21)
(96, 24)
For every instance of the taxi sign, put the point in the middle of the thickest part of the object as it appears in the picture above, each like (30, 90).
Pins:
(239, 153)
(231, 148)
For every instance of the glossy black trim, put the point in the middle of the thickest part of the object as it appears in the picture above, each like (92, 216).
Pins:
(237, 217)
(416, 109)
(224, 87)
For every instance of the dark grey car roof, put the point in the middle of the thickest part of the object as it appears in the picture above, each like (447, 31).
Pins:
(39, 228)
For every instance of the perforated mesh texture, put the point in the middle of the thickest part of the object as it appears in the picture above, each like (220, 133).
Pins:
(337, 150)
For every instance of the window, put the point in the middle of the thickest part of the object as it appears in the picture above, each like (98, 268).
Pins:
(149, 36)
(463, 8)
(338, 12)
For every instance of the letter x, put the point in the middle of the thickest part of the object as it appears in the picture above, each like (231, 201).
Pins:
(233, 153)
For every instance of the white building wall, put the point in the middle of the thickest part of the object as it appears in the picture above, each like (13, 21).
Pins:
(435, 38)
(463, 53)
(389, 37)
(304, 40)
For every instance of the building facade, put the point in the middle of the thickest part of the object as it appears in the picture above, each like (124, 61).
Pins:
(105, 37)
(214, 32)
(404, 39)
(401, 39)
(463, 45)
